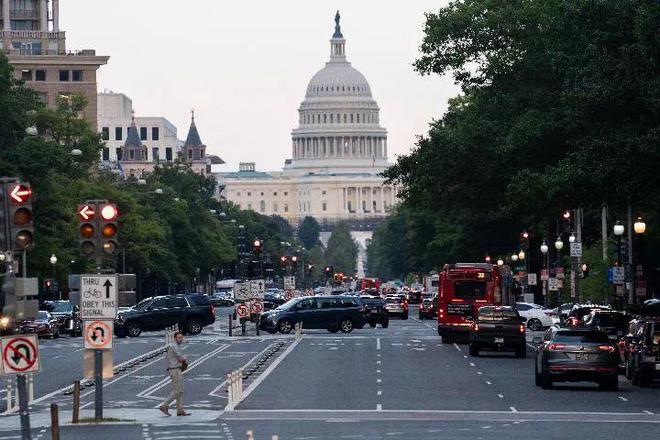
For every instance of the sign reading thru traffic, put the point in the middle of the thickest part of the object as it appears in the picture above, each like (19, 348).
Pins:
(98, 297)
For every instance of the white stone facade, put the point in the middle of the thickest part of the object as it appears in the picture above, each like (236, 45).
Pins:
(339, 150)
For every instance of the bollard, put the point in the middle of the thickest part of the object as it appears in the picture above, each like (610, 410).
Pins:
(240, 385)
(231, 324)
(230, 390)
(242, 327)
(30, 381)
(10, 399)
(298, 330)
(256, 323)
(75, 413)
(54, 422)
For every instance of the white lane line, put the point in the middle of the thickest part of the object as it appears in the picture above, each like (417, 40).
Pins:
(267, 372)
(513, 409)
(377, 371)
(623, 398)
(378, 362)
(380, 393)
(379, 380)
(501, 396)
(489, 382)
(377, 343)
(457, 347)
(471, 364)
(649, 413)
(479, 373)
(379, 407)
(465, 356)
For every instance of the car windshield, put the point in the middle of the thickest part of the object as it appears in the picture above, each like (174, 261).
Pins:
(609, 319)
(42, 316)
(287, 305)
(580, 337)
(60, 307)
(469, 289)
(142, 305)
(394, 300)
(498, 315)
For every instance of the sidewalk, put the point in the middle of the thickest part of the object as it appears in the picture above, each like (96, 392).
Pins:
(128, 416)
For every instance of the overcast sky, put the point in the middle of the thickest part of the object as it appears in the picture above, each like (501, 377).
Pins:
(244, 65)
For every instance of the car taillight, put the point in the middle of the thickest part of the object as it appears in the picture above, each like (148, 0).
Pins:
(475, 327)
(556, 346)
(606, 348)
(211, 309)
(521, 328)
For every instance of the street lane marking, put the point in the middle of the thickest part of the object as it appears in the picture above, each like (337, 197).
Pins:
(379, 380)
(623, 398)
(479, 373)
(501, 396)
(471, 364)
(378, 344)
(489, 382)
(379, 407)
(253, 386)
(215, 390)
(377, 371)
(379, 393)
(457, 347)
(649, 413)
(378, 362)
(513, 409)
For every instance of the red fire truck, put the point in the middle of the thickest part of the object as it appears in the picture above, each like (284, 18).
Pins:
(369, 283)
(464, 287)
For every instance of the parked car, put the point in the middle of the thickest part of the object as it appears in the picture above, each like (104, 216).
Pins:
(612, 322)
(426, 310)
(576, 355)
(538, 317)
(44, 324)
(375, 311)
(644, 357)
(192, 312)
(397, 305)
(333, 313)
(221, 299)
(579, 312)
(498, 328)
(67, 315)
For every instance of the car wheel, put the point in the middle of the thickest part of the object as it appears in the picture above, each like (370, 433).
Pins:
(521, 352)
(385, 323)
(333, 329)
(346, 326)
(610, 383)
(194, 327)
(474, 349)
(285, 326)
(534, 325)
(546, 381)
(133, 329)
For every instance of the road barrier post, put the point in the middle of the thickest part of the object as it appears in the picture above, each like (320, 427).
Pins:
(240, 385)
(98, 385)
(10, 395)
(249, 435)
(298, 330)
(231, 324)
(242, 327)
(21, 385)
(54, 422)
(30, 379)
(230, 389)
(75, 412)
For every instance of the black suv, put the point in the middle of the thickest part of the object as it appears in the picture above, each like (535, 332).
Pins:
(375, 311)
(67, 315)
(190, 312)
(333, 313)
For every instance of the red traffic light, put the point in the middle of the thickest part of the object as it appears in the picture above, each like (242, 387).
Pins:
(19, 193)
(86, 212)
(294, 258)
(566, 214)
(257, 243)
(109, 212)
(525, 235)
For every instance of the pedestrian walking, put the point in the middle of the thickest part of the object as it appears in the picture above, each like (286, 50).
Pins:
(176, 365)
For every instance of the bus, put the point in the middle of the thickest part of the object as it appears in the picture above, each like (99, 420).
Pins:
(464, 287)
(369, 283)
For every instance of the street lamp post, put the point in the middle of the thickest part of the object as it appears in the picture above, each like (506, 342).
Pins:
(53, 262)
(618, 230)
(559, 245)
(544, 282)
(640, 228)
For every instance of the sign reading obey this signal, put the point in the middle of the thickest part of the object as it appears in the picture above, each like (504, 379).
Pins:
(20, 354)
(98, 297)
(98, 334)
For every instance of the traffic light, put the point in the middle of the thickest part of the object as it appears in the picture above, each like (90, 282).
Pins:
(257, 247)
(21, 227)
(283, 261)
(108, 228)
(294, 263)
(585, 270)
(48, 284)
(87, 240)
(329, 270)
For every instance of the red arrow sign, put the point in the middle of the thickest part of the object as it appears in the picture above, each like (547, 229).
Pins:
(86, 212)
(20, 193)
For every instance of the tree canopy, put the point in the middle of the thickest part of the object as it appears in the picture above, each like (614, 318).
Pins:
(308, 232)
(341, 252)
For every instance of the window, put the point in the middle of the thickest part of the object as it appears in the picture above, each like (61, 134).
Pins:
(154, 154)
(76, 75)
(286, 207)
(522, 307)
(345, 118)
(262, 206)
(275, 193)
(26, 75)
(177, 302)
(351, 118)
(131, 154)
(249, 193)
(143, 133)
(189, 154)
(106, 154)
(358, 118)
(324, 206)
(64, 75)
(323, 192)
(118, 153)
(105, 133)
(160, 303)
(155, 134)
(325, 118)
(118, 133)
(286, 193)
(168, 154)
(275, 207)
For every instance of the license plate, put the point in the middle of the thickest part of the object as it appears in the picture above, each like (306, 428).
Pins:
(657, 366)
(373, 312)
(582, 356)
(499, 340)
(613, 336)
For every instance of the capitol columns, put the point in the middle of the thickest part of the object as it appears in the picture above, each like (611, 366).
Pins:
(382, 198)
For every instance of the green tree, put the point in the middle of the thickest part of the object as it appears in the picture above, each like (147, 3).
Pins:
(308, 232)
(341, 252)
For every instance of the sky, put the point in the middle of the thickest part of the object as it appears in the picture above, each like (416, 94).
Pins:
(244, 65)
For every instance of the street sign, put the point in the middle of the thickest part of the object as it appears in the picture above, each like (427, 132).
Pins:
(242, 290)
(256, 307)
(531, 279)
(98, 335)
(576, 249)
(98, 297)
(20, 354)
(257, 289)
(559, 273)
(618, 275)
(545, 274)
(553, 284)
(242, 311)
(289, 283)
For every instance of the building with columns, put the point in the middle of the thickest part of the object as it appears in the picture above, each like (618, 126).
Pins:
(339, 150)
(31, 38)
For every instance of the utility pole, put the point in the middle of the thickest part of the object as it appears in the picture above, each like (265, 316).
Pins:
(603, 230)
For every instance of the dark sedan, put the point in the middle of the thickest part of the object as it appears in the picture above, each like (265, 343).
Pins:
(576, 355)
(43, 325)
(375, 311)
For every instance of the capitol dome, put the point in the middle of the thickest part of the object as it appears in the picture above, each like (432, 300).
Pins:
(338, 121)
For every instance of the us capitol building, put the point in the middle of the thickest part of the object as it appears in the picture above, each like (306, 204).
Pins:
(338, 150)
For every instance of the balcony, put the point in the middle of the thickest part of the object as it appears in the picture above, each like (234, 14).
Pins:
(49, 35)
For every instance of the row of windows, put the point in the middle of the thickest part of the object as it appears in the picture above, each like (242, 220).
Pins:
(249, 193)
(155, 154)
(338, 89)
(42, 75)
(336, 118)
(262, 207)
(155, 133)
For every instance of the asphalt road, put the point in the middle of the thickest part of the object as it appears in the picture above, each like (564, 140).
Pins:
(401, 382)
